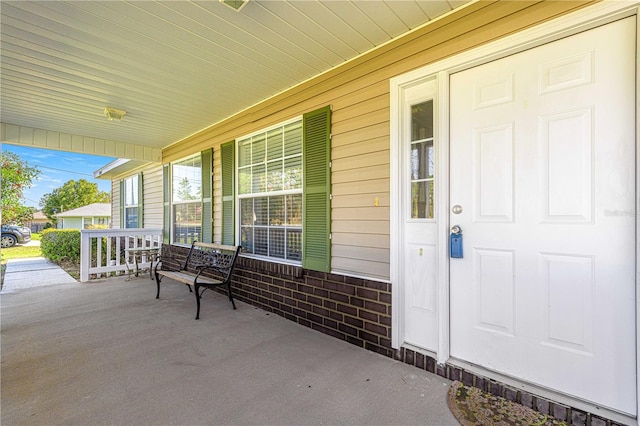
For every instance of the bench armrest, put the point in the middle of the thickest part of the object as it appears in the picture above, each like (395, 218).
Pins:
(163, 263)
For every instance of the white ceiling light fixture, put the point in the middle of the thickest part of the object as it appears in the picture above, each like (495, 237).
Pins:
(114, 114)
(235, 4)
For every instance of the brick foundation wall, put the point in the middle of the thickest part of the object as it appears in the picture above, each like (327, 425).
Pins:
(359, 311)
(570, 415)
(351, 309)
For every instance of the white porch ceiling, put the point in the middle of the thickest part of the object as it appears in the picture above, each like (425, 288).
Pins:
(177, 67)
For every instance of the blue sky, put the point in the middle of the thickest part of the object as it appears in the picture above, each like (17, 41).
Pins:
(56, 168)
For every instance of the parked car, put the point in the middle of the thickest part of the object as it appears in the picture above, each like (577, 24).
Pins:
(13, 234)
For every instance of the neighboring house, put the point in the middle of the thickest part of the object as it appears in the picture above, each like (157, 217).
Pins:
(96, 215)
(38, 223)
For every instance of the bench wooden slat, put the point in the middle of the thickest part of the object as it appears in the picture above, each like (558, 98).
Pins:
(214, 246)
(187, 278)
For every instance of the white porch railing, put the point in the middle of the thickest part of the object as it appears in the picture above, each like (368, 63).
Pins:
(103, 251)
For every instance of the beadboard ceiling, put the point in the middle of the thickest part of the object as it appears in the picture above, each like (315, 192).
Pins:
(177, 67)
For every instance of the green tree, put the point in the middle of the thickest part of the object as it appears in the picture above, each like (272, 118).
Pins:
(71, 195)
(184, 191)
(17, 175)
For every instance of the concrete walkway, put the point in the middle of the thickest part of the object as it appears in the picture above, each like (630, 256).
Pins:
(108, 352)
(33, 272)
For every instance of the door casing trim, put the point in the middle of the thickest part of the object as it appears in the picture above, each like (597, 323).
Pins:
(565, 26)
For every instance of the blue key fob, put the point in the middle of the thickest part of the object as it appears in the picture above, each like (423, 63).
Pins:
(456, 246)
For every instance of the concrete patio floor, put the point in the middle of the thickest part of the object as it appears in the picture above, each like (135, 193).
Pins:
(108, 352)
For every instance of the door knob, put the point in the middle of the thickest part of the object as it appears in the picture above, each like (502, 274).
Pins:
(457, 209)
(456, 229)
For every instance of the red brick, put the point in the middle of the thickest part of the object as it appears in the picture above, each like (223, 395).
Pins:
(349, 330)
(367, 294)
(330, 323)
(370, 316)
(316, 274)
(369, 337)
(307, 307)
(316, 282)
(339, 297)
(305, 288)
(335, 277)
(377, 307)
(357, 302)
(354, 321)
(314, 300)
(330, 305)
(376, 329)
(347, 309)
(321, 293)
(386, 343)
(354, 341)
(321, 311)
(315, 318)
(336, 316)
(409, 357)
(354, 281)
(377, 285)
(304, 322)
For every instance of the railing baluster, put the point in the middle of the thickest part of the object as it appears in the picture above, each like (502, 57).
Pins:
(133, 238)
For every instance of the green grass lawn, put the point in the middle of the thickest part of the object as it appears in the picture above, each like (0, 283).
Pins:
(22, 251)
(19, 252)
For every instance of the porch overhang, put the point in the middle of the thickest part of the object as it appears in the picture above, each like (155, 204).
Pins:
(60, 141)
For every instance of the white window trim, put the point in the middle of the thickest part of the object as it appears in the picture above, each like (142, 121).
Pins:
(125, 206)
(172, 203)
(239, 197)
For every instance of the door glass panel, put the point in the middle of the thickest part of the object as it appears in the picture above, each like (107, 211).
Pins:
(422, 199)
(422, 160)
(422, 121)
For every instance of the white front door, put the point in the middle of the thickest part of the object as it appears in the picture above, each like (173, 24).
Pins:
(543, 168)
(419, 253)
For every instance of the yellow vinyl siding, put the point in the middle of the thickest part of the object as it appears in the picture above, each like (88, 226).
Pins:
(359, 94)
(360, 199)
(358, 227)
(115, 203)
(152, 196)
(370, 186)
(152, 207)
(377, 241)
(371, 267)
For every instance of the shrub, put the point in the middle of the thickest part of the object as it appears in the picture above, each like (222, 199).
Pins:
(59, 245)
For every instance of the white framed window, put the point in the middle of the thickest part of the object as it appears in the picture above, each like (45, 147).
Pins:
(270, 191)
(186, 200)
(131, 208)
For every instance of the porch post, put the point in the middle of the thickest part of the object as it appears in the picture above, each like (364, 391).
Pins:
(85, 255)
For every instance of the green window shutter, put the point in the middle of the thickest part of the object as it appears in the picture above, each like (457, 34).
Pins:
(316, 213)
(140, 201)
(206, 158)
(166, 205)
(122, 200)
(227, 153)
